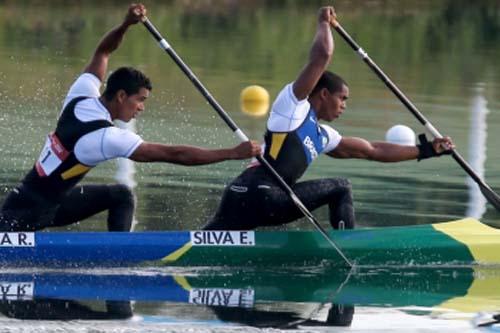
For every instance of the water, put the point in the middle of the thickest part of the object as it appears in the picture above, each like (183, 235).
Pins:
(442, 54)
(208, 299)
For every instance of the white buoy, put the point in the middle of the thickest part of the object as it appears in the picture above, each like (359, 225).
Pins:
(401, 135)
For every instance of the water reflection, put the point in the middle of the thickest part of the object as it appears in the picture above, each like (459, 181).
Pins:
(288, 316)
(258, 298)
(60, 309)
(59, 296)
(487, 320)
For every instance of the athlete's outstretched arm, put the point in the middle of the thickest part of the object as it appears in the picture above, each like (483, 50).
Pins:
(190, 155)
(110, 42)
(352, 147)
(319, 56)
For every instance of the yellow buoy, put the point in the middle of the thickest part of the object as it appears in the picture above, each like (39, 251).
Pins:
(254, 101)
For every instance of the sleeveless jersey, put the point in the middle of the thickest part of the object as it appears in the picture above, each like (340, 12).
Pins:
(57, 169)
(294, 137)
(290, 153)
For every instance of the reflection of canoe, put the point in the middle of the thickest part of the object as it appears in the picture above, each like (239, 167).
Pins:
(464, 289)
(465, 242)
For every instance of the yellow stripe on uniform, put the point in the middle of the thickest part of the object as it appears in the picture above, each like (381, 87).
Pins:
(480, 239)
(178, 253)
(276, 143)
(74, 171)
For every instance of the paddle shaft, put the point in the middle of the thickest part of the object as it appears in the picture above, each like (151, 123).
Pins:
(238, 132)
(490, 195)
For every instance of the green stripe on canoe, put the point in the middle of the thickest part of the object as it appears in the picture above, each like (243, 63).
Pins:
(422, 245)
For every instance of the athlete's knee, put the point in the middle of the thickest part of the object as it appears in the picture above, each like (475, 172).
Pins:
(122, 194)
(345, 184)
(121, 211)
(339, 186)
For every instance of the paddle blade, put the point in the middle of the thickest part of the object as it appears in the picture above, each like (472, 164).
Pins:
(490, 195)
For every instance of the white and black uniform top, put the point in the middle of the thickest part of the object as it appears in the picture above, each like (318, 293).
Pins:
(84, 137)
(294, 138)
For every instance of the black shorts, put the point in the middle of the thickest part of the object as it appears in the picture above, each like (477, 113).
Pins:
(254, 199)
(26, 210)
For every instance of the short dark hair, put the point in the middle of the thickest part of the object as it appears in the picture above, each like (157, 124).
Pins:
(330, 81)
(128, 79)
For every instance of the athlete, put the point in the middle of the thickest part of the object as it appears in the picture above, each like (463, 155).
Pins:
(85, 136)
(294, 138)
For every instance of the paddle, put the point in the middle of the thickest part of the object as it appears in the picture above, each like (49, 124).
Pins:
(489, 194)
(232, 125)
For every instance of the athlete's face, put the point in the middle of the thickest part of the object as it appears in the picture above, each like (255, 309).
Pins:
(132, 105)
(335, 103)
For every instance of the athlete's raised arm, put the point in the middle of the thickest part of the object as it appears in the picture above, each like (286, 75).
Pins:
(319, 57)
(110, 42)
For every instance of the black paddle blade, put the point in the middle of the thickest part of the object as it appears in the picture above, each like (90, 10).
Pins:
(490, 195)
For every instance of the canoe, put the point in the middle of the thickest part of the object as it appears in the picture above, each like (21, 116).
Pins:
(463, 289)
(465, 242)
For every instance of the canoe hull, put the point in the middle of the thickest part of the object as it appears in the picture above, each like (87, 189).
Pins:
(463, 243)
